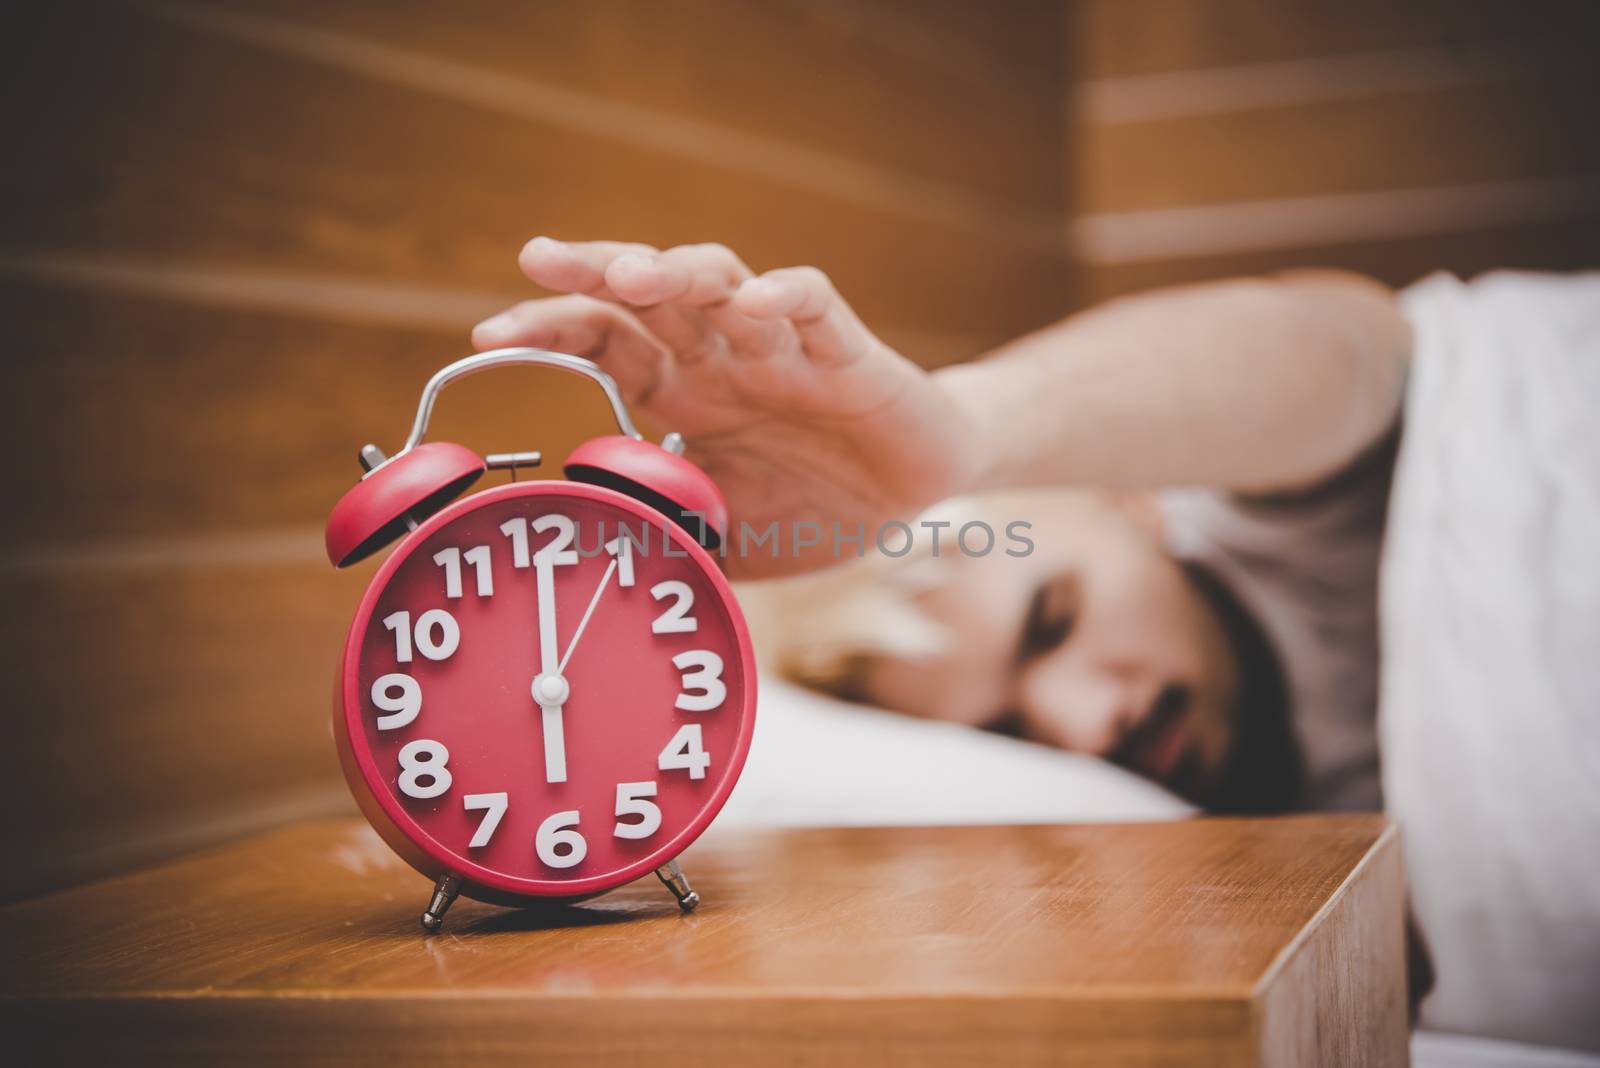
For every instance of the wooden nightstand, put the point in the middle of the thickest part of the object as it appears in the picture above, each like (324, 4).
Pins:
(1204, 942)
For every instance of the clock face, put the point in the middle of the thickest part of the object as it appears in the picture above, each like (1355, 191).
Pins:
(548, 691)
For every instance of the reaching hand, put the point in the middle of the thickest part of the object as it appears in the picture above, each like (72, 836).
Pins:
(787, 400)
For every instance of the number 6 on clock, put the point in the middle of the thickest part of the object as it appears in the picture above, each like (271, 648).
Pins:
(560, 830)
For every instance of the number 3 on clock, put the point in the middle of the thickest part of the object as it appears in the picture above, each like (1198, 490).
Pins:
(702, 674)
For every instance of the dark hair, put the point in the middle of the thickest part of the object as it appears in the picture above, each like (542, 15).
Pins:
(1264, 771)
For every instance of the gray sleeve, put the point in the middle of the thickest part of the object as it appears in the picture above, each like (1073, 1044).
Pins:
(1306, 568)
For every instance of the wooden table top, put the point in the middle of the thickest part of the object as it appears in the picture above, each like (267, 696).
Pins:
(1106, 939)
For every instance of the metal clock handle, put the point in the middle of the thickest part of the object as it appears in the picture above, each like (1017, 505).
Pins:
(483, 361)
(373, 457)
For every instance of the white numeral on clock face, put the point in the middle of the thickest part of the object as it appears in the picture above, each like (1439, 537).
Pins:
(560, 829)
(702, 672)
(517, 531)
(403, 706)
(558, 548)
(424, 759)
(622, 548)
(450, 559)
(449, 634)
(400, 623)
(631, 802)
(494, 806)
(433, 646)
(676, 619)
(684, 753)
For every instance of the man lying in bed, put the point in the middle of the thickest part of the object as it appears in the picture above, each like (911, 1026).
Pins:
(1220, 641)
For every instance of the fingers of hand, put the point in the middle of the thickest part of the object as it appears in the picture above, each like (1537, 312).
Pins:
(701, 280)
(574, 267)
(685, 297)
(827, 327)
(582, 326)
(697, 275)
(583, 266)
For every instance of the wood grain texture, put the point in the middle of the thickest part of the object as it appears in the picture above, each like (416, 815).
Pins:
(228, 262)
(287, 164)
(1113, 38)
(1550, 246)
(241, 256)
(1333, 120)
(150, 417)
(1354, 967)
(167, 705)
(1530, 127)
(925, 92)
(1205, 942)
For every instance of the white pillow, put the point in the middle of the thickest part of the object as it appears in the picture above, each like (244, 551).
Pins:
(1490, 698)
(822, 763)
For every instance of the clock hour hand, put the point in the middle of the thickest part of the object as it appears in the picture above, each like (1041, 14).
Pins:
(545, 576)
(550, 690)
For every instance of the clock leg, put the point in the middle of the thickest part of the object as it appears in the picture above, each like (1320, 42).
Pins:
(444, 894)
(672, 877)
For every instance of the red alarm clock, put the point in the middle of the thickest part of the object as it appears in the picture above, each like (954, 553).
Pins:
(548, 689)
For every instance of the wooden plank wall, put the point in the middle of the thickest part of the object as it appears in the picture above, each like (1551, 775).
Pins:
(1221, 137)
(236, 238)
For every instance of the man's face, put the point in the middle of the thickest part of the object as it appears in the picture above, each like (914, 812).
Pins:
(1096, 642)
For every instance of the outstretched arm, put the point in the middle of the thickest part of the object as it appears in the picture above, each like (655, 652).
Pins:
(802, 414)
(1254, 385)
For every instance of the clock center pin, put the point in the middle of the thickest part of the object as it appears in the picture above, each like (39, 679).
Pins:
(551, 690)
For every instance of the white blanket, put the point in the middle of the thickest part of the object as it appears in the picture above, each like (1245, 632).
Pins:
(1490, 699)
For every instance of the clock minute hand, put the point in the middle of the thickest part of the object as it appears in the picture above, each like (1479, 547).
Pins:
(549, 688)
(605, 580)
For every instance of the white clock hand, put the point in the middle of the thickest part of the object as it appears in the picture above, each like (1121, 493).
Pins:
(545, 575)
(605, 580)
(550, 690)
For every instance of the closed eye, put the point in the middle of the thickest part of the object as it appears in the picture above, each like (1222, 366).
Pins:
(1052, 611)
